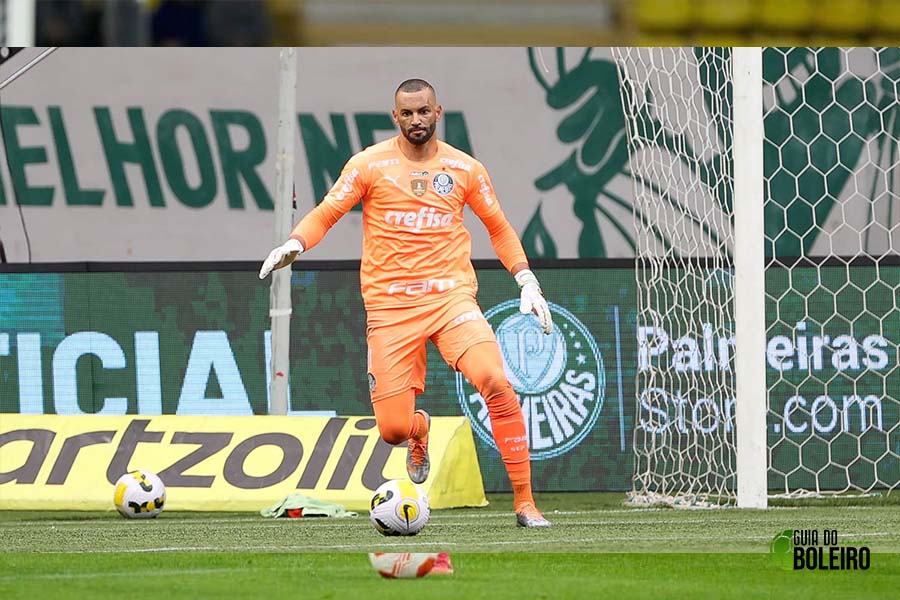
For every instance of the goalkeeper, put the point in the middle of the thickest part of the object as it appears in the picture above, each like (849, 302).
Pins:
(418, 282)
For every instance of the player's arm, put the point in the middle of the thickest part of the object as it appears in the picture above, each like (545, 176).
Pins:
(347, 191)
(508, 248)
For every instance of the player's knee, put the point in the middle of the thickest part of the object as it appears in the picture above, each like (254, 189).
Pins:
(394, 432)
(492, 383)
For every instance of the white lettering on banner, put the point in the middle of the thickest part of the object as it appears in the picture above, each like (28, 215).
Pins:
(425, 218)
(455, 163)
(804, 353)
(147, 373)
(69, 351)
(212, 352)
(661, 411)
(824, 414)
(346, 184)
(31, 378)
(553, 418)
(420, 287)
(211, 355)
(559, 379)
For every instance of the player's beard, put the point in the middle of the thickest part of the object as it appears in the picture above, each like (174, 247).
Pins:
(421, 140)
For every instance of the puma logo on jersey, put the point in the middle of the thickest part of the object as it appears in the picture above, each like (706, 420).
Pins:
(424, 218)
(418, 288)
(393, 180)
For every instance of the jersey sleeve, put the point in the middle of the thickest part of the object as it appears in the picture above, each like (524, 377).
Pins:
(483, 201)
(349, 189)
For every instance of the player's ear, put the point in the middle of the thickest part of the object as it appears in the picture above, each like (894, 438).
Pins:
(438, 112)
(395, 117)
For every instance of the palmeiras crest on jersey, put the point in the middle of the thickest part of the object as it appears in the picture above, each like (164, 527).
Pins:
(443, 183)
(559, 379)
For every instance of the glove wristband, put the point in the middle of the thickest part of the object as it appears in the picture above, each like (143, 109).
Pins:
(293, 245)
(524, 277)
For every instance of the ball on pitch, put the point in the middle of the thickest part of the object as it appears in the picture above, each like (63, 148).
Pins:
(399, 507)
(139, 494)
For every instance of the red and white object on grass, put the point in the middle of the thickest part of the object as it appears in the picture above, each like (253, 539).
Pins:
(403, 565)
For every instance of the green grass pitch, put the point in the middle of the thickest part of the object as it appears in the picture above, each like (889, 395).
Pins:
(596, 548)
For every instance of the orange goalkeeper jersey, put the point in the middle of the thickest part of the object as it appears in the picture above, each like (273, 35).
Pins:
(416, 249)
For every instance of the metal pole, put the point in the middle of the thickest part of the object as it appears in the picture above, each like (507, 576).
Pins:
(24, 69)
(280, 292)
(20, 23)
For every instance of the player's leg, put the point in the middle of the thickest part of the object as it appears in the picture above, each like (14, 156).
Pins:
(468, 345)
(397, 418)
(396, 371)
(482, 365)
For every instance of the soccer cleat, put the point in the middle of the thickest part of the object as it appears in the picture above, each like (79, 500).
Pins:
(442, 565)
(417, 463)
(527, 515)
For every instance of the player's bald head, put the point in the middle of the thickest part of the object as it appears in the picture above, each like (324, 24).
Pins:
(416, 111)
(411, 86)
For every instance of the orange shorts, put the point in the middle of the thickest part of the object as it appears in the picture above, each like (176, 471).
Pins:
(396, 337)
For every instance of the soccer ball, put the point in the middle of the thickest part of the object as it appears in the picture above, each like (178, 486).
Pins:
(399, 507)
(139, 495)
(403, 565)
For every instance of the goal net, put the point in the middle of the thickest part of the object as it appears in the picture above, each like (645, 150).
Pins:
(832, 276)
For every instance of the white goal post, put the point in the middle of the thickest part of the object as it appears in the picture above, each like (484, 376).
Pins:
(767, 221)
(749, 279)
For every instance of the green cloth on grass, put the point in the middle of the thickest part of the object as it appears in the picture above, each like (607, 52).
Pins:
(311, 507)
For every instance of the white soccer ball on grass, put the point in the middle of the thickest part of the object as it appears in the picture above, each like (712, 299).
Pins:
(139, 495)
(399, 507)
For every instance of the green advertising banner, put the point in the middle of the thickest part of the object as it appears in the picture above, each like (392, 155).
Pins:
(834, 376)
(196, 343)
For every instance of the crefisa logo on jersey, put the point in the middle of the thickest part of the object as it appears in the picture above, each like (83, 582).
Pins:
(559, 378)
(443, 183)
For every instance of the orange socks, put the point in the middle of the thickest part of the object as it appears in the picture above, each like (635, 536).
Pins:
(509, 435)
(419, 427)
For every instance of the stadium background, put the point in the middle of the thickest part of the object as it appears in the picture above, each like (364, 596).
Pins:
(327, 328)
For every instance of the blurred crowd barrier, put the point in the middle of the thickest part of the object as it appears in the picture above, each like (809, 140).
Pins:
(466, 22)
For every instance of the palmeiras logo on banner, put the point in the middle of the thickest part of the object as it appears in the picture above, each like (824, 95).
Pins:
(559, 379)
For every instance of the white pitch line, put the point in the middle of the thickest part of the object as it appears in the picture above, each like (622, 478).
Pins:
(114, 518)
(407, 544)
(170, 519)
(318, 547)
(711, 519)
(130, 574)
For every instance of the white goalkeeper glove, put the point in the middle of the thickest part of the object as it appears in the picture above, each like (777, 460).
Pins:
(532, 299)
(281, 256)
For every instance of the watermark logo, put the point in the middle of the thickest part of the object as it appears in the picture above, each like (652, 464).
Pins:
(814, 550)
(559, 378)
